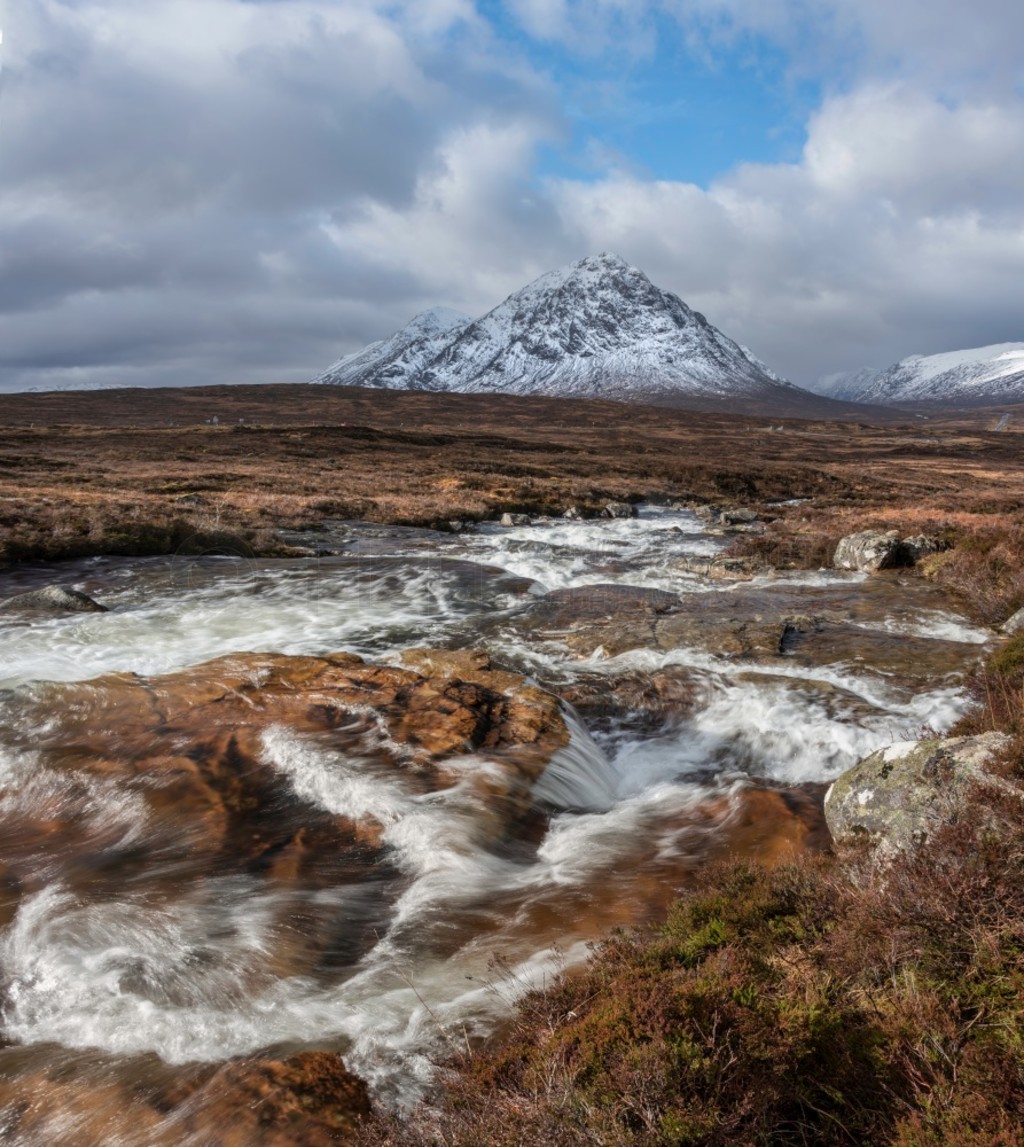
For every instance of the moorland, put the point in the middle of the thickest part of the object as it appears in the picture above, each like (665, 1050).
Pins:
(823, 1000)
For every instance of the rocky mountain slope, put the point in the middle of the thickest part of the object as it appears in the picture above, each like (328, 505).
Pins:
(598, 328)
(977, 376)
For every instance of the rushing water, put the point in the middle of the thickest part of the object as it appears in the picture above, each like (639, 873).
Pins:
(124, 960)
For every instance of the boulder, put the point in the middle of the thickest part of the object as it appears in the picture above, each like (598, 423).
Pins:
(898, 795)
(54, 600)
(573, 514)
(739, 516)
(917, 547)
(1014, 623)
(869, 551)
(508, 520)
(619, 510)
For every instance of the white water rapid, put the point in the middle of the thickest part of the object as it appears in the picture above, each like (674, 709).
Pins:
(118, 952)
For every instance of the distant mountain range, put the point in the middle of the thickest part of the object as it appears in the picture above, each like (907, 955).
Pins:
(978, 377)
(598, 329)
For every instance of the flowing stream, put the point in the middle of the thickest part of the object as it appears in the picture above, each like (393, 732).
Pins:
(131, 962)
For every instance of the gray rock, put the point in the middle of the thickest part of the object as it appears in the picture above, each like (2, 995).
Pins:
(515, 520)
(54, 600)
(619, 510)
(919, 546)
(723, 568)
(573, 514)
(740, 516)
(899, 794)
(1014, 623)
(868, 551)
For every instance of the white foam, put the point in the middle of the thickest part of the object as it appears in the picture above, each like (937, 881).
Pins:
(642, 551)
(96, 806)
(579, 776)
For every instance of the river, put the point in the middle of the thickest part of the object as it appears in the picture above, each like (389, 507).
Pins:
(135, 958)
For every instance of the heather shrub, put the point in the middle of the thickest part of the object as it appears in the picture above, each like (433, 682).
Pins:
(821, 1003)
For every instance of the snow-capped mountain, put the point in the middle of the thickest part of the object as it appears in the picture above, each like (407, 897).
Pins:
(392, 361)
(598, 328)
(978, 376)
(847, 384)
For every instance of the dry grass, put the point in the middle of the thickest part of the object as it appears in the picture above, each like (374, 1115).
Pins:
(107, 472)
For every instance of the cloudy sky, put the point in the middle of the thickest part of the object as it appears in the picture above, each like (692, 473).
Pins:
(197, 191)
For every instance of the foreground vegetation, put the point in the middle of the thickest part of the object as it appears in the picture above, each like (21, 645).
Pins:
(823, 1002)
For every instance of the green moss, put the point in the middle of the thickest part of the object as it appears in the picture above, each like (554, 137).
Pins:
(1009, 658)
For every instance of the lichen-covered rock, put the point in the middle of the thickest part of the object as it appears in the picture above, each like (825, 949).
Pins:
(742, 515)
(1014, 623)
(619, 510)
(917, 547)
(723, 567)
(53, 600)
(868, 551)
(899, 794)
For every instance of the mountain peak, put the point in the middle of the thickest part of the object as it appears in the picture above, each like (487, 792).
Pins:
(597, 327)
(978, 375)
(605, 261)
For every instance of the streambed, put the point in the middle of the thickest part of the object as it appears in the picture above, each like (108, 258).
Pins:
(701, 717)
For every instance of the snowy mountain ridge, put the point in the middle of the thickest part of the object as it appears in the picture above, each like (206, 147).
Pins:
(597, 328)
(977, 375)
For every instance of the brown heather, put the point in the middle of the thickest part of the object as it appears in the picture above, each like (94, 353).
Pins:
(146, 471)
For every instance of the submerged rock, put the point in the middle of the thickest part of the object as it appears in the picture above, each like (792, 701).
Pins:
(271, 765)
(868, 551)
(54, 600)
(306, 1100)
(898, 795)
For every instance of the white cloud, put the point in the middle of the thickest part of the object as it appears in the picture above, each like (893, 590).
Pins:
(251, 201)
(895, 233)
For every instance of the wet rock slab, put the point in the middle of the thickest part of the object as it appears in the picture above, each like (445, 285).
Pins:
(308, 1099)
(189, 750)
(877, 624)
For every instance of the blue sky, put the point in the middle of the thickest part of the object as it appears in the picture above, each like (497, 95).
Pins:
(202, 191)
(666, 108)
